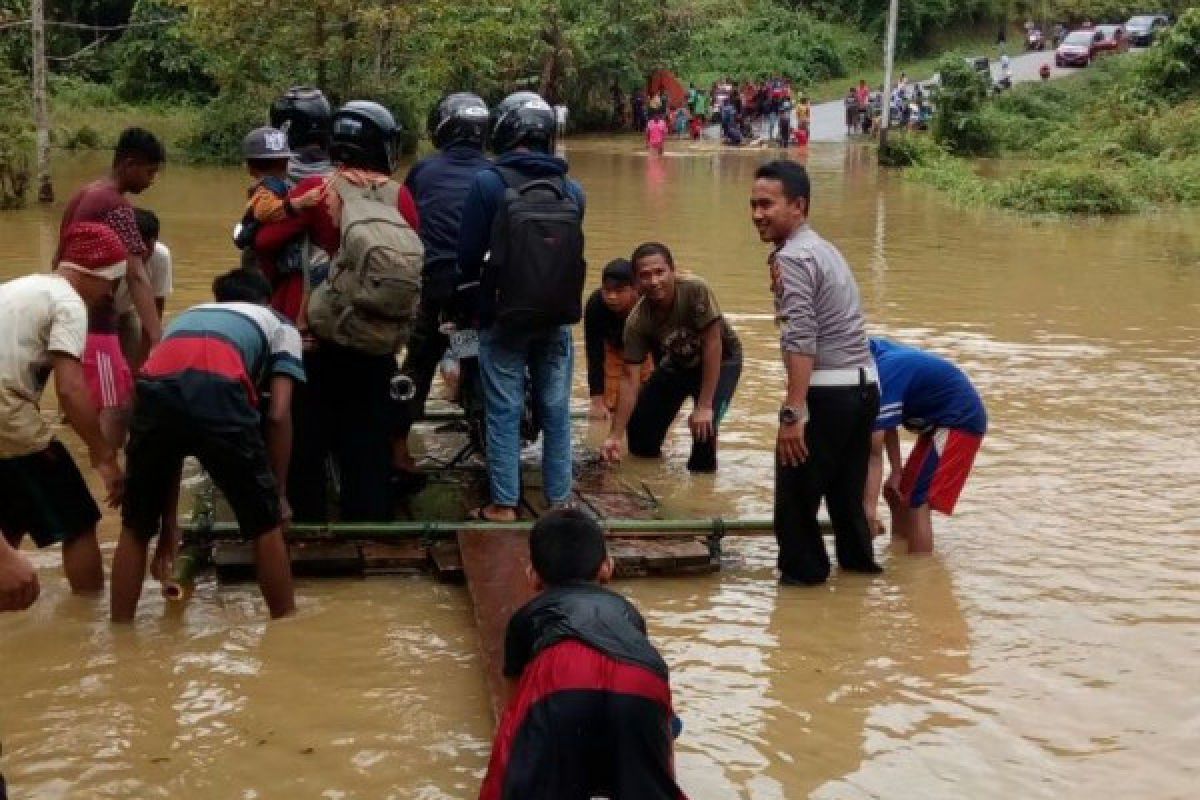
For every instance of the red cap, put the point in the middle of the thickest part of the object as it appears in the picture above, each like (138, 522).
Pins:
(93, 248)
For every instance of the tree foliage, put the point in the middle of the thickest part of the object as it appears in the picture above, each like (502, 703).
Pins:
(958, 126)
(1173, 68)
(161, 63)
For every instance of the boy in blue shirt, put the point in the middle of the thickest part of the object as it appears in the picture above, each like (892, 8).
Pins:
(933, 398)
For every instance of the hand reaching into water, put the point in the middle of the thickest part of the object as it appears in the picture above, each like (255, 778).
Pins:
(19, 585)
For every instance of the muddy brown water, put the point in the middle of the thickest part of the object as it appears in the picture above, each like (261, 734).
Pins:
(1048, 649)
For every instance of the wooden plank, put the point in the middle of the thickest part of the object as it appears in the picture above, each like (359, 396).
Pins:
(495, 563)
(389, 559)
(234, 559)
(661, 556)
(447, 562)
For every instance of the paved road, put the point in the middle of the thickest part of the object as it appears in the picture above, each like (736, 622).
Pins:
(829, 119)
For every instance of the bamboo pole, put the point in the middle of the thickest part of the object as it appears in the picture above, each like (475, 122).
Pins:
(183, 574)
(455, 414)
(618, 528)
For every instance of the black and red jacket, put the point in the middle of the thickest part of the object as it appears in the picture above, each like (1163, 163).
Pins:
(591, 716)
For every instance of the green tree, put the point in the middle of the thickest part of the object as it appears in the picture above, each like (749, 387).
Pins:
(958, 125)
(1173, 68)
(161, 63)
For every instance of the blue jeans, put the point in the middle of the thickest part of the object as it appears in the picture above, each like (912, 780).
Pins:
(504, 356)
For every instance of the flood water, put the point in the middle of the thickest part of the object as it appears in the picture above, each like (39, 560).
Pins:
(1049, 649)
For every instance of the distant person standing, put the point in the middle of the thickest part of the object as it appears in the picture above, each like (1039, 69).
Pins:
(656, 135)
(862, 94)
(832, 399)
(850, 103)
(637, 105)
(935, 399)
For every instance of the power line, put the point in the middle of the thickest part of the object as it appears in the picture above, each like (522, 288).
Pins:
(98, 28)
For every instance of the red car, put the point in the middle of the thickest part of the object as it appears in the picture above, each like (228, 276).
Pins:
(1114, 41)
(1078, 48)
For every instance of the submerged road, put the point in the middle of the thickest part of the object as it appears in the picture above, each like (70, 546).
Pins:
(829, 120)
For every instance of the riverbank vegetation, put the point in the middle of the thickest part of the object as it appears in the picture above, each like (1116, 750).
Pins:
(201, 72)
(1123, 136)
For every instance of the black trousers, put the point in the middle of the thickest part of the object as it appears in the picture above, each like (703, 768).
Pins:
(426, 346)
(838, 436)
(344, 410)
(661, 398)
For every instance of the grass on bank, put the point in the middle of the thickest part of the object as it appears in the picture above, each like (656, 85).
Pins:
(87, 115)
(1096, 143)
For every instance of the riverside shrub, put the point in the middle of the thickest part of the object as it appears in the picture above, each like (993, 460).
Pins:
(1065, 190)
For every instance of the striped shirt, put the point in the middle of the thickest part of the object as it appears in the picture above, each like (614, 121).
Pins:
(214, 359)
(817, 301)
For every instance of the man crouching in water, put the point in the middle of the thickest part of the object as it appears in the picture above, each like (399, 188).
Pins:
(197, 395)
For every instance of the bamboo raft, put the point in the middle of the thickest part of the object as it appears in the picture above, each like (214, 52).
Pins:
(432, 535)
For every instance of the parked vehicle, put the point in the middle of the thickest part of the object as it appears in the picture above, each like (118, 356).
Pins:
(1035, 40)
(1143, 29)
(1078, 48)
(979, 64)
(1113, 39)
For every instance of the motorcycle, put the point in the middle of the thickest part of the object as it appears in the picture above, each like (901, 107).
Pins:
(1035, 40)
(1044, 71)
(464, 348)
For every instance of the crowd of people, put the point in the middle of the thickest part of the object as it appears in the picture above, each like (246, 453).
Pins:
(910, 105)
(293, 367)
(767, 111)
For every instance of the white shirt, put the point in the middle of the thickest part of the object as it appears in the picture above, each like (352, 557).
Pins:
(162, 279)
(39, 315)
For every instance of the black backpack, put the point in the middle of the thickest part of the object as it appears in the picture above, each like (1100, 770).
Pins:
(536, 270)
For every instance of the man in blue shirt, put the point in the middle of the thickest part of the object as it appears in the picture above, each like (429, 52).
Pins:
(933, 398)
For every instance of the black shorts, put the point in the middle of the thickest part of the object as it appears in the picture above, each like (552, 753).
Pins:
(160, 436)
(44, 495)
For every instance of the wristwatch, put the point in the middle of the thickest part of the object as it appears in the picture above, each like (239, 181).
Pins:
(789, 415)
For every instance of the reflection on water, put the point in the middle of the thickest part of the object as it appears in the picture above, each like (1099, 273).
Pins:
(1031, 657)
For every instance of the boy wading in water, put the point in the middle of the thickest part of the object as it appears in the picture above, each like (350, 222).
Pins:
(590, 713)
(698, 355)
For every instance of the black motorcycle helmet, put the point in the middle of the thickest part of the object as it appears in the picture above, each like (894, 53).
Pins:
(365, 135)
(303, 113)
(523, 119)
(459, 118)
